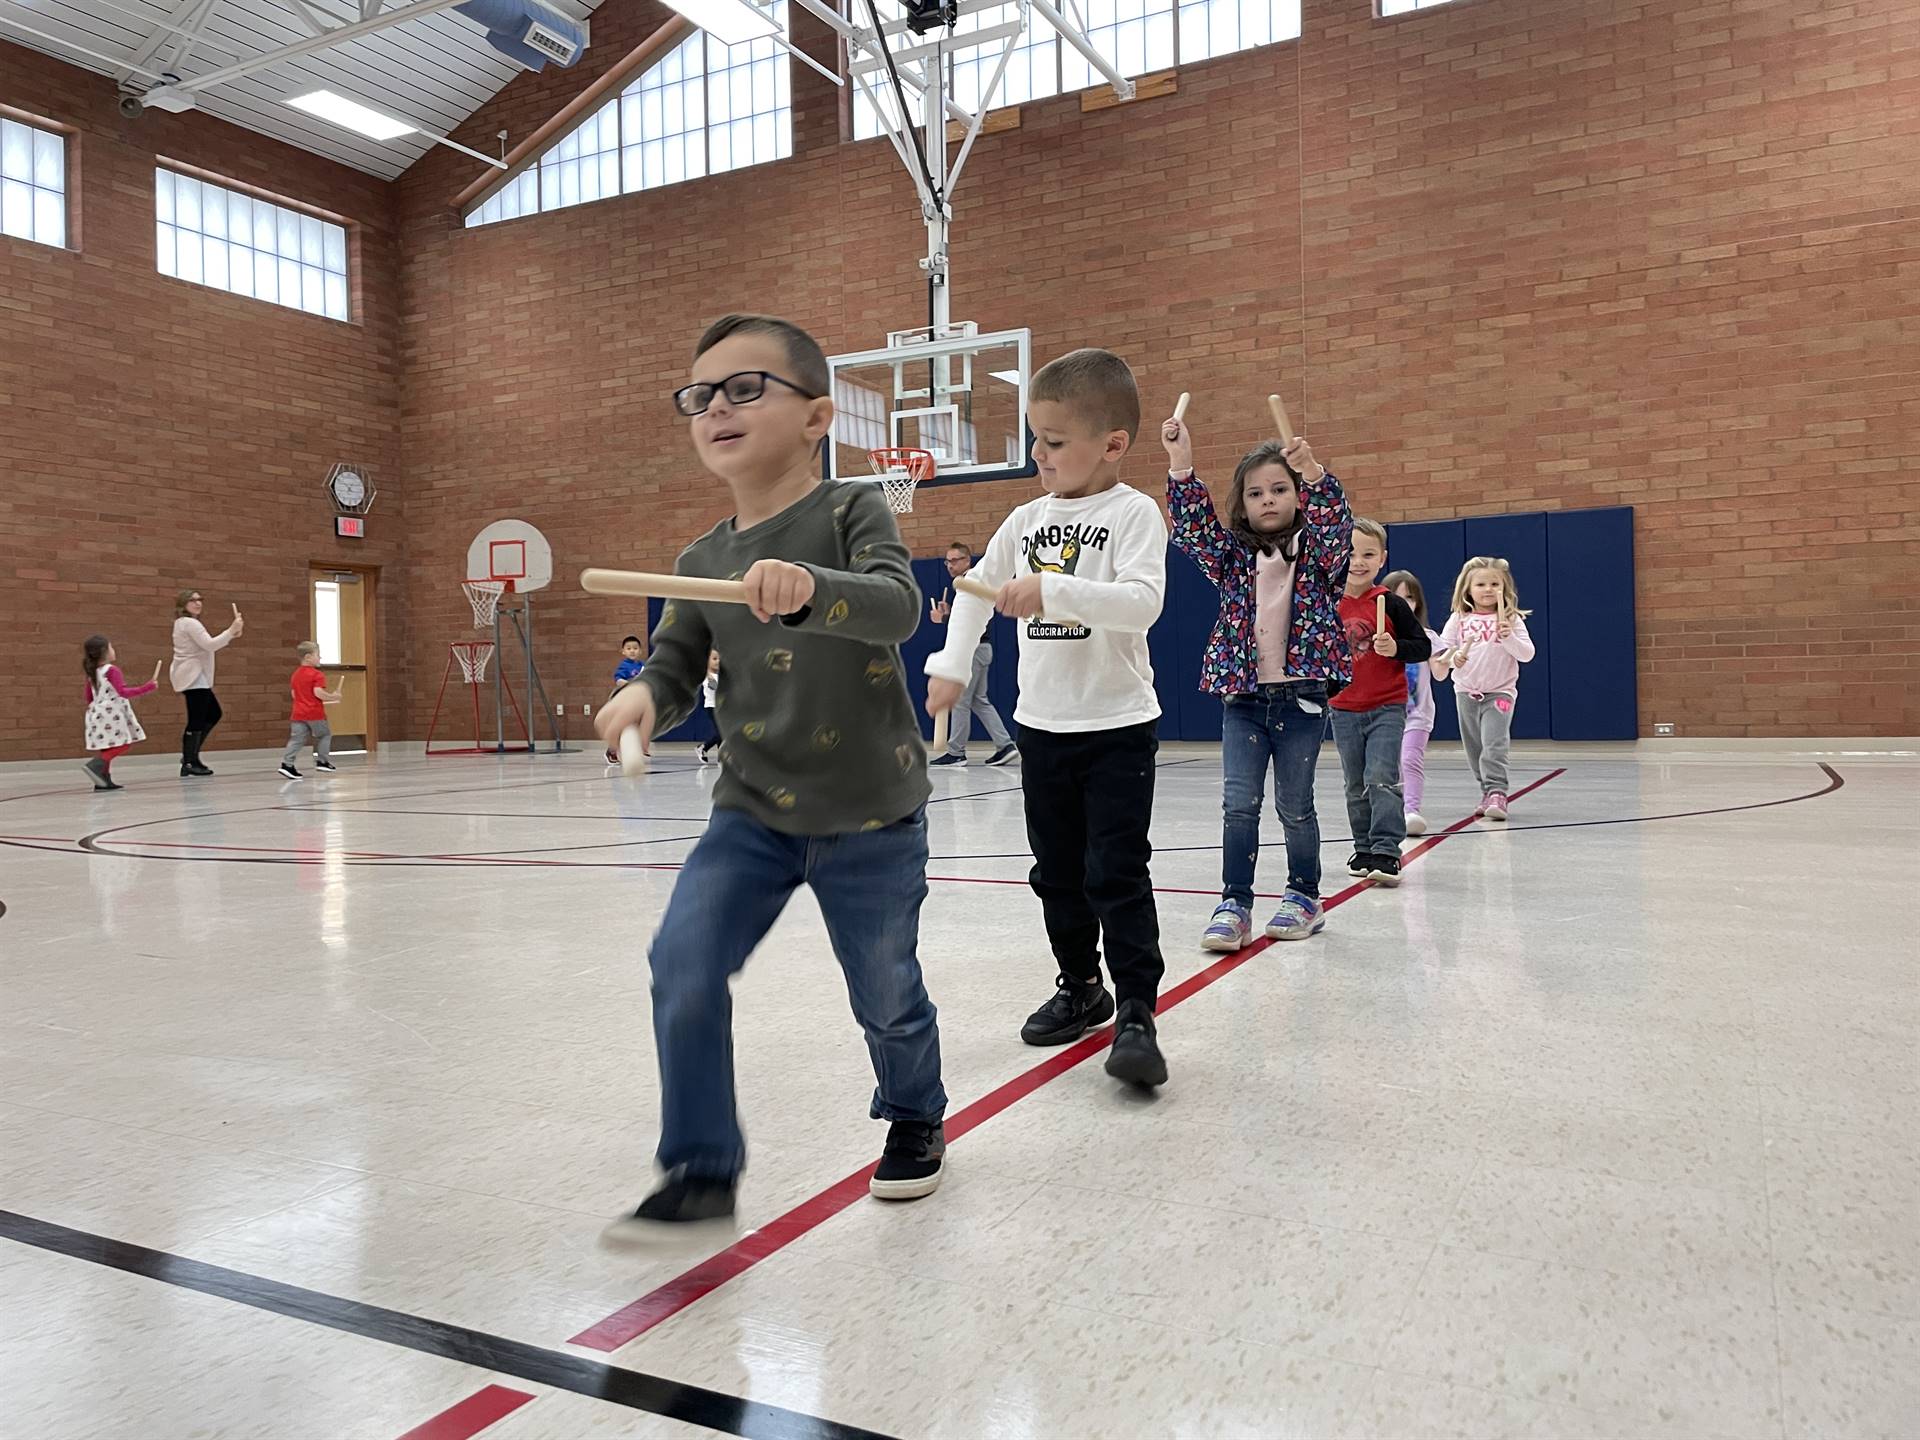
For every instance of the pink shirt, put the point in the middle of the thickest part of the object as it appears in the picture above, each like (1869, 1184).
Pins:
(119, 683)
(1493, 665)
(1272, 616)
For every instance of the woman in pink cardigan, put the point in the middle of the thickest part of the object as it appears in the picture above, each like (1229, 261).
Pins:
(192, 674)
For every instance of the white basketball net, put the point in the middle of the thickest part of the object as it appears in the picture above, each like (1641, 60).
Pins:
(473, 658)
(485, 595)
(899, 471)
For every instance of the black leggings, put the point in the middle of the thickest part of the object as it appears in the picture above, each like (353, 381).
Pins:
(203, 711)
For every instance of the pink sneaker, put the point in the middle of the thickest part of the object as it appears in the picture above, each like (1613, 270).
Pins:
(1495, 806)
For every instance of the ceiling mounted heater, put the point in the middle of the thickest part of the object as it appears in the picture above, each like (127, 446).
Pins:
(528, 32)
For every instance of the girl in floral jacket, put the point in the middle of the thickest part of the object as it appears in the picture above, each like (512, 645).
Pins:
(1277, 650)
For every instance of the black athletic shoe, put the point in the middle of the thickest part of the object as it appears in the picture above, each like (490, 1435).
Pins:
(1005, 755)
(1358, 864)
(325, 765)
(1135, 1057)
(683, 1197)
(288, 772)
(1384, 870)
(950, 759)
(97, 772)
(914, 1160)
(1073, 1010)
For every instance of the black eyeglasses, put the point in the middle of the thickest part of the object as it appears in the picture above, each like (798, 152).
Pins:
(742, 388)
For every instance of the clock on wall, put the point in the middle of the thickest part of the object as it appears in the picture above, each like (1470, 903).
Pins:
(352, 489)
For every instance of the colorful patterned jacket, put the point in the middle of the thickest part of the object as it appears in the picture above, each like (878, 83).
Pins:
(1316, 645)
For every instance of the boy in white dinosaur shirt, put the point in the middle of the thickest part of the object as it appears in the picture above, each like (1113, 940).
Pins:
(1084, 568)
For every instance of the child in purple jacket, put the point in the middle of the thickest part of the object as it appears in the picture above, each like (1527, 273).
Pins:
(1278, 563)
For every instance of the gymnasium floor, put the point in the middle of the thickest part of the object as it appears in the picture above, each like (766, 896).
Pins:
(315, 1100)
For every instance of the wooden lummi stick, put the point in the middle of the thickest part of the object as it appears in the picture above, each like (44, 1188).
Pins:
(1280, 420)
(633, 754)
(1380, 613)
(1180, 406)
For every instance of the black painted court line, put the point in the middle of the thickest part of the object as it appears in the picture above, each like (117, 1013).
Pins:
(694, 1404)
(1834, 782)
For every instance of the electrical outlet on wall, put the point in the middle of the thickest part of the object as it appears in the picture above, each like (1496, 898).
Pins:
(1664, 727)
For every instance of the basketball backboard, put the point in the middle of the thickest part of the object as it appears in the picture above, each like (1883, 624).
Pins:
(951, 391)
(511, 550)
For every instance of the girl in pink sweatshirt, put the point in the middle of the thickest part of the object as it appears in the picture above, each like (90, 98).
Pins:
(1484, 644)
(112, 727)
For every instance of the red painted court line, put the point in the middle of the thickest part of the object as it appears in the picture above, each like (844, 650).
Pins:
(632, 1321)
(471, 1415)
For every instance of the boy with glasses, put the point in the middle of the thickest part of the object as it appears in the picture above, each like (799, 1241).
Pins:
(823, 777)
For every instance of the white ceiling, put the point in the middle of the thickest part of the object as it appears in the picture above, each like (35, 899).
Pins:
(432, 72)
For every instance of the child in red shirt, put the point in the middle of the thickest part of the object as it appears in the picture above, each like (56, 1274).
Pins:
(310, 693)
(1370, 714)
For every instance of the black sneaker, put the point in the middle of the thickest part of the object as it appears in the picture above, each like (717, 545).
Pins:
(325, 765)
(1358, 864)
(950, 759)
(1074, 1009)
(290, 773)
(913, 1161)
(1005, 755)
(1384, 870)
(97, 772)
(1135, 1057)
(683, 1197)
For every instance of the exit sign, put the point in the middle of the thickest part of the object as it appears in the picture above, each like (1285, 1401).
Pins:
(350, 527)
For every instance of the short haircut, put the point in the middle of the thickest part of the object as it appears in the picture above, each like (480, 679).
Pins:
(306, 647)
(1371, 527)
(960, 545)
(1096, 385)
(630, 640)
(804, 354)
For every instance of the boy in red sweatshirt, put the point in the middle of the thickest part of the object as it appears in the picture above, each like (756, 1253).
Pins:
(1370, 715)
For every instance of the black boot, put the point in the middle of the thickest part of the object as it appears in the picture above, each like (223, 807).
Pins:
(190, 756)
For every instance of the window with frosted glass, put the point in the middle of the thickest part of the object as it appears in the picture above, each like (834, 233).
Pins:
(214, 236)
(33, 183)
(703, 109)
(1137, 37)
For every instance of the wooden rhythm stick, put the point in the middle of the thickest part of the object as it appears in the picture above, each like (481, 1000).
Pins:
(1380, 613)
(667, 587)
(979, 589)
(1180, 408)
(1275, 404)
(633, 758)
(633, 755)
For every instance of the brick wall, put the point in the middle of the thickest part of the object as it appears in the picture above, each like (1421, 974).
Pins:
(155, 433)
(1498, 255)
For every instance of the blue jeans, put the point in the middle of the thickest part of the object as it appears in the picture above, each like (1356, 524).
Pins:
(1369, 742)
(1273, 723)
(870, 886)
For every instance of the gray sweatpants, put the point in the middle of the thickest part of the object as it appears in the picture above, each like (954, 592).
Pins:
(318, 731)
(1486, 729)
(974, 701)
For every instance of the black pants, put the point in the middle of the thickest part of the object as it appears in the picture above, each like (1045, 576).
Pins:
(1089, 800)
(203, 712)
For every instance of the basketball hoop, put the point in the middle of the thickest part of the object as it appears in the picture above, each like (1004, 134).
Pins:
(485, 597)
(473, 656)
(900, 470)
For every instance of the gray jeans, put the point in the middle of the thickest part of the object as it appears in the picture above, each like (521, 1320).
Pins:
(318, 731)
(1486, 728)
(974, 701)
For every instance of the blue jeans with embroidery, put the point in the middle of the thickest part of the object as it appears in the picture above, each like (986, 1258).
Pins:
(870, 886)
(1285, 725)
